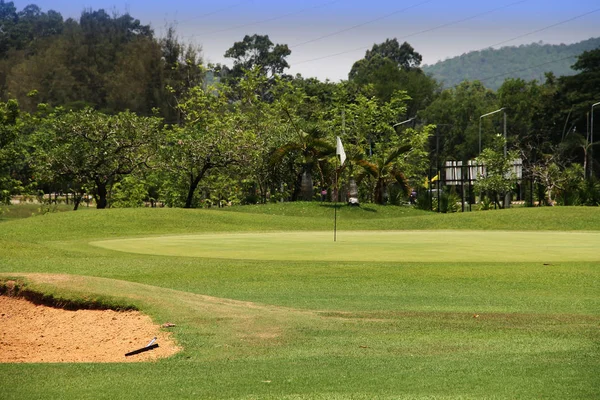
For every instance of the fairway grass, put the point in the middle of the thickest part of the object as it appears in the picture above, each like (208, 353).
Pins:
(490, 305)
(379, 246)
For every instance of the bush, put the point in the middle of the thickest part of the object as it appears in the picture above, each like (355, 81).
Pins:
(450, 202)
(589, 194)
(424, 201)
(396, 195)
(486, 203)
(130, 192)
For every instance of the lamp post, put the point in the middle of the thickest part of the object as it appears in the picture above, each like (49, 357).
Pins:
(592, 140)
(403, 122)
(485, 115)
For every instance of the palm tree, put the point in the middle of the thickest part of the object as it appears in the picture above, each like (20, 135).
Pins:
(384, 169)
(313, 148)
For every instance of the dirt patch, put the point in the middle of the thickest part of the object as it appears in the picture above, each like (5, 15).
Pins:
(38, 333)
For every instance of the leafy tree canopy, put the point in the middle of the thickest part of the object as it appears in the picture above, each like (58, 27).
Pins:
(403, 56)
(258, 51)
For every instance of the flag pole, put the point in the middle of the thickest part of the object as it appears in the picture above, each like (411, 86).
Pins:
(335, 201)
(339, 150)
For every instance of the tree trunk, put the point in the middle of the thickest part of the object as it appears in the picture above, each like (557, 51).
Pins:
(102, 192)
(306, 187)
(193, 186)
(379, 191)
(352, 188)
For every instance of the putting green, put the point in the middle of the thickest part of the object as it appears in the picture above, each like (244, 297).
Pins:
(428, 246)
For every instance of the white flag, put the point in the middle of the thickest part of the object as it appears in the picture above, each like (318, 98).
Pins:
(340, 150)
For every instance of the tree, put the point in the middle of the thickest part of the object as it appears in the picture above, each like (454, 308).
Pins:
(403, 56)
(208, 139)
(395, 160)
(312, 147)
(498, 177)
(456, 111)
(110, 62)
(12, 152)
(258, 51)
(19, 30)
(382, 73)
(579, 92)
(270, 128)
(390, 67)
(384, 170)
(530, 108)
(183, 70)
(92, 149)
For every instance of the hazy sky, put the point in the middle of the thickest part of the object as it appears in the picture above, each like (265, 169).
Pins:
(327, 36)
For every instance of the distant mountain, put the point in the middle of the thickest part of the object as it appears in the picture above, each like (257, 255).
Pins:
(493, 66)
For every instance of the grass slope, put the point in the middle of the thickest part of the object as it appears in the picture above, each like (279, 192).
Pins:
(255, 329)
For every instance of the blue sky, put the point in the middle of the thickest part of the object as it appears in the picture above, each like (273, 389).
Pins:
(327, 36)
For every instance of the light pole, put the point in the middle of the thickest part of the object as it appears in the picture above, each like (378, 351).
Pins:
(403, 122)
(592, 140)
(485, 115)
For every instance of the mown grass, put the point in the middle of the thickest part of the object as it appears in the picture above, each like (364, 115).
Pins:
(375, 246)
(319, 330)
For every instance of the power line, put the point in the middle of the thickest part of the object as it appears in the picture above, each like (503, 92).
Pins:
(419, 32)
(531, 33)
(465, 19)
(362, 24)
(317, 6)
(185, 21)
(455, 22)
(546, 27)
(214, 12)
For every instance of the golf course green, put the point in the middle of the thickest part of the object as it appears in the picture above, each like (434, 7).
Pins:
(424, 246)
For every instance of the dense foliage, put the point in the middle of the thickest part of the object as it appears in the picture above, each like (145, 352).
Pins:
(101, 107)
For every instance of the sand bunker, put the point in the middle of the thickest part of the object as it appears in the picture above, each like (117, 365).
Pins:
(32, 333)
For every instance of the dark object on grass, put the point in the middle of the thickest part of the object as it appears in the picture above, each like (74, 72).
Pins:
(142, 350)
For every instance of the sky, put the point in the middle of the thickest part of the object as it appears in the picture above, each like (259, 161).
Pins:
(327, 36)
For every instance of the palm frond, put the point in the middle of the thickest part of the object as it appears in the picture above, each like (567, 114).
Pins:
(369, 167)
(397, 153)
(284, 150)
(402, 180)
(323, 147)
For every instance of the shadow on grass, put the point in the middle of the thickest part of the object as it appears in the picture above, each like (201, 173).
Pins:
(344, 205)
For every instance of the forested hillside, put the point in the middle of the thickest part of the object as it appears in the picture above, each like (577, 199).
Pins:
(527, 62)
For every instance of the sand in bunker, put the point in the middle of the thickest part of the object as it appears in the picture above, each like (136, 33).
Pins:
(31, 333)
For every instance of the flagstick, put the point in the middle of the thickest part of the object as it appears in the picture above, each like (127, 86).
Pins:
(335, 222)
(335, 203)
(339, 151)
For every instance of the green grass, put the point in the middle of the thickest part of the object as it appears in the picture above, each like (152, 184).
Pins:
(292, 328)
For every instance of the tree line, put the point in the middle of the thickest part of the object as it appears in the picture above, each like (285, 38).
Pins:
(101, 106)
